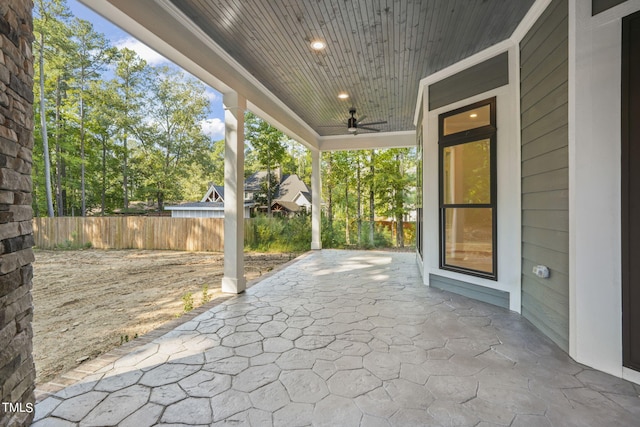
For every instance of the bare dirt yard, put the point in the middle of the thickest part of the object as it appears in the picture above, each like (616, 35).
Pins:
(87, 302)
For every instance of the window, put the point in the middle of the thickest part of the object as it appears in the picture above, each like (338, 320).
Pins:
(467, 141)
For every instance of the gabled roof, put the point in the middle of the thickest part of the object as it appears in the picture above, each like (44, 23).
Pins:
(304, 194)
(254, 181)
(290, 187)
(288, 206)
(213, 193)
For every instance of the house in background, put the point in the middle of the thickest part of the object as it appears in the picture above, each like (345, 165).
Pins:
(293, 195)
(211, 206)
(215, 193)
(526, 126)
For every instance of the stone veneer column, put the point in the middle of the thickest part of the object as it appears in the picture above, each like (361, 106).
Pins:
(17, 371)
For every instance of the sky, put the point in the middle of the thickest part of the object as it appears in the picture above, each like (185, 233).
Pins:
(213, 125)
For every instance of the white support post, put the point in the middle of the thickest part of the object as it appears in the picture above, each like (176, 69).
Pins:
(234, 280)
(316, 187)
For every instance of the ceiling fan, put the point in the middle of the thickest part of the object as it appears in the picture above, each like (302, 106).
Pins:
(354, 124)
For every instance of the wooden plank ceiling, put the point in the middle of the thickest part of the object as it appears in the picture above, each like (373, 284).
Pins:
(377, 50)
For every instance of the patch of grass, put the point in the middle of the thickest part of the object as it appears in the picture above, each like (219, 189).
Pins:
(205, 294)
(188, 302)
(125, 338)
(73, 244)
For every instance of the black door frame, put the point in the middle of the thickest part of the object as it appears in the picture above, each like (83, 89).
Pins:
(630, 156)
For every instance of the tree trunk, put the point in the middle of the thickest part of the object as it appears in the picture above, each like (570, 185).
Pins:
(346, 214)
(330, 196)
(372, 217)
(59, 164)
(125, 183)
(400, 203)
(268, 187)
(45, 139)
(400, 230)
(104, 178)
(82, 157)
(359, 206)
(160, 201)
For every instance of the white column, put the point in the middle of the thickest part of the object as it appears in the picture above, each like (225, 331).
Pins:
(316, 221)
(234, 280)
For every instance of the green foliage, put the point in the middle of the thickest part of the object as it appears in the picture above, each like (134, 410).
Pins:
(115, 128)
(73, 244)
(283, 234)
(187, 300)
(279, 234)
(125, 338)
(120, 130)
(205, 294)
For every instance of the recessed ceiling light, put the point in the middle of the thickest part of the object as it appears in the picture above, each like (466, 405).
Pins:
(473, 115)
(318, 45)
(343, 95)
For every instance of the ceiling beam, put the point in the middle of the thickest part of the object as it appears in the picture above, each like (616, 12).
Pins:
(368, 141)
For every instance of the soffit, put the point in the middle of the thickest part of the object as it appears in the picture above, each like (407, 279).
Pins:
(377, 50)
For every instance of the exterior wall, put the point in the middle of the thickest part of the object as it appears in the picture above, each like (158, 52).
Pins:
(599, 6)
(508, 166)
(175, 213)
(480, 293)
(545, 172)
(480, 78)
(595, 49)
(17, 371)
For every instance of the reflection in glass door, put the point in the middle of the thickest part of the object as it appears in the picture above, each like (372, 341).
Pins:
(468, 190)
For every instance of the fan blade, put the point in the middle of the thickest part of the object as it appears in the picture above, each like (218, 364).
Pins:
(331, 126)
(372, 123)
(361, 119)
(371, 129)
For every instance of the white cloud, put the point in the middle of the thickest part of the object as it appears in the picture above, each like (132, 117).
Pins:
(145, 52)
(213, 128)
(211, 95)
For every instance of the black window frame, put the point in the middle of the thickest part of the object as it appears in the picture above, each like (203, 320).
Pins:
(489, 132)
(419, 186)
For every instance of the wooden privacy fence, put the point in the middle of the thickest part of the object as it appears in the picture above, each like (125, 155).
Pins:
(184, 234)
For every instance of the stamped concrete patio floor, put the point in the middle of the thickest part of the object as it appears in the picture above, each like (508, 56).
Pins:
(347, 339)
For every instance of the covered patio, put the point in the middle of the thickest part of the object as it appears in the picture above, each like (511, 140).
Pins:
(353, 338)
(348, 338)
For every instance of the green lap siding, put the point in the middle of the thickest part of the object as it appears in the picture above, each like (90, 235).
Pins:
(545, 177)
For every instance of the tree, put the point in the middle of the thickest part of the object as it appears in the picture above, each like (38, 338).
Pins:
(342, 170)
(130, 85)
(267, 143)
(297, 159)
(102, 127)
(392, 184)
(49, 30)
(372, 216)
(91, 55)
(329, 183)
(173, 138)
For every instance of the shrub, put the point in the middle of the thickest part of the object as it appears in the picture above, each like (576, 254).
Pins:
(279, 234)
(188, 302)
(205, 294)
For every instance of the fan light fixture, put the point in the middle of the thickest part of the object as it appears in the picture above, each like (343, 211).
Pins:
(352, 124)
(318, 45)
